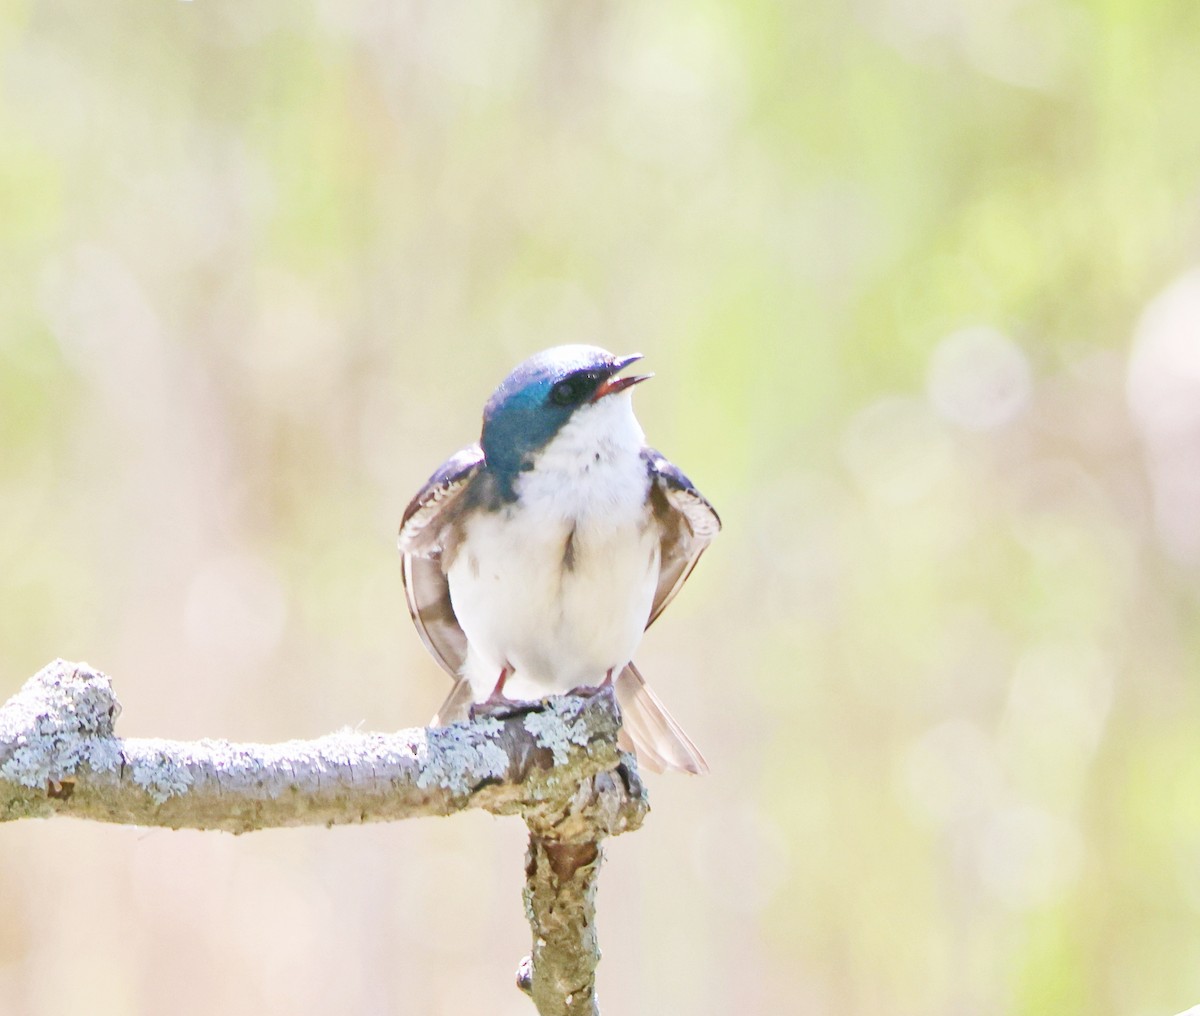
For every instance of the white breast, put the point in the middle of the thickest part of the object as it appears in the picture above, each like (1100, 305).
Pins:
(558, 586)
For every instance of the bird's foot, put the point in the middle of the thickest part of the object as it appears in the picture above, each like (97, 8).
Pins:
(498, 707)
(590, 690)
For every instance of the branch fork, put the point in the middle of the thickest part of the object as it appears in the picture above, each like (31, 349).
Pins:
(555, 763)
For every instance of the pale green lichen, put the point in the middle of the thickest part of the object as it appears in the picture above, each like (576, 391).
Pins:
(61, 719)
(460, 757)
(558, 726)
(160, 770)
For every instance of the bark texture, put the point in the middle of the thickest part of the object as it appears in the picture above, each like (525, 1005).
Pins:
(555, 763)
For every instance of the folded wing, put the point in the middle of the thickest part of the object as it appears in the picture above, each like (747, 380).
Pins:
(427, 534)
(688, 524)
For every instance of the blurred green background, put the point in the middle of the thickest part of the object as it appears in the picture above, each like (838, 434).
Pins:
(919, 281)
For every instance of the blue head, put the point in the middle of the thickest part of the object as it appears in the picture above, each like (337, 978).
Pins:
(540, 396)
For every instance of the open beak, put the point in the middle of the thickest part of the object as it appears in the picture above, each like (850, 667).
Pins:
(613, 384)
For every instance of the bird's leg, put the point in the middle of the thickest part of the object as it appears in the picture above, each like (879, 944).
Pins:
(595, 689)
(497, 704)
(497, 695)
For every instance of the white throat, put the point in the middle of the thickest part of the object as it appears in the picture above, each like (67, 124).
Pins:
(593, 466)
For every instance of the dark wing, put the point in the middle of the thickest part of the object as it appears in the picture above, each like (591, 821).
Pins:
(428, 514)
(426, 530)
(688, 523)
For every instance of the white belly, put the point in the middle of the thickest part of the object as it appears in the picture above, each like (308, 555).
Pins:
(557, 619)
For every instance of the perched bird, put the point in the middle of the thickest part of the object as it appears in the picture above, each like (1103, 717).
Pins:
(535, 559)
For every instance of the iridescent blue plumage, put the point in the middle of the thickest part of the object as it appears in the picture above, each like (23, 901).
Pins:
(522, 416)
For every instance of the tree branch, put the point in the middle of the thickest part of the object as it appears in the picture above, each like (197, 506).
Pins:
(555, 763)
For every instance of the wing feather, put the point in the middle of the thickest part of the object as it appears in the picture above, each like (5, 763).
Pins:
(689, 524)
(426, 531)
(427, 517)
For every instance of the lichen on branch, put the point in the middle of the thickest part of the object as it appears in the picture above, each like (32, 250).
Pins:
(555, 763)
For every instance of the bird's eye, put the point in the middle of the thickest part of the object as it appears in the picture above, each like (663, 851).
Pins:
(574, 389)
(563, 393)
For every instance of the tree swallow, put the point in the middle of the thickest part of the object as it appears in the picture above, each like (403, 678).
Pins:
(535, 559)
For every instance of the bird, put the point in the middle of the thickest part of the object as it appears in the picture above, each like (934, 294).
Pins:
(534, 560)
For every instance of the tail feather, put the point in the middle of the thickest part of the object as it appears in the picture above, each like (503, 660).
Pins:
(647, 728)
(457, 704)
